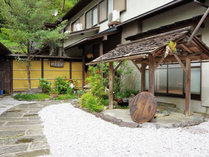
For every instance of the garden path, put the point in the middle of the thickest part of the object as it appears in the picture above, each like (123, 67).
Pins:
(21, 128)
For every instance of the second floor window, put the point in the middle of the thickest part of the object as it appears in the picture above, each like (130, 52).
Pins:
(89, 19)
(103, 11)
(95, 16)
(74, 24)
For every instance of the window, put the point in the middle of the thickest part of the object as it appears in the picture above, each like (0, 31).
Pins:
(95, 16)
(89, 19)
(120, 5)
(110, 6)
(175, 79)
(170, 80)
(103, 11)
(74, 24)
(161, 79)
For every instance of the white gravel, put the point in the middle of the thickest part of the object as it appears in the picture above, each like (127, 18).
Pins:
(8, 102)
(74, 133)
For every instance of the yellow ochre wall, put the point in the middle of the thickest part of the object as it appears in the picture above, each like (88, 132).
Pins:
(20, 82)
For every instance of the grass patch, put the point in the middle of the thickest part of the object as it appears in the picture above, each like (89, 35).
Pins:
(65, 97)
(31, 96)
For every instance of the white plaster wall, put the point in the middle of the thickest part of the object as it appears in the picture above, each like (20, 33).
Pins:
(184, 12)
(134, 8)
(137, 7)
(128, 30)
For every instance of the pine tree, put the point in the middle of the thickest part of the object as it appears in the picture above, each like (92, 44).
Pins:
(24, 24)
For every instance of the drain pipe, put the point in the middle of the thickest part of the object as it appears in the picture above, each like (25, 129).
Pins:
(201, 21)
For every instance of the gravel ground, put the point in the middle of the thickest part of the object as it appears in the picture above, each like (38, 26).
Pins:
(8, 102)
(71, 132)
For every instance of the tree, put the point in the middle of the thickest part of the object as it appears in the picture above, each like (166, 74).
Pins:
(24, 24)
(62, 6)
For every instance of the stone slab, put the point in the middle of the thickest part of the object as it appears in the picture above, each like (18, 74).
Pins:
(4, 134)
(13, 149)
(33, 153)
(19, 123)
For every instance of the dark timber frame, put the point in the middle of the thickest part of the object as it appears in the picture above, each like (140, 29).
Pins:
(154, 51)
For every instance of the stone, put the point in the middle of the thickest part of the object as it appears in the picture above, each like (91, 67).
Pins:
(34, 132)
(19, 123)
(13, 149)
(7, 134)
(166, 113)
(33, 153)
(12, 114)
(37, 145)
(2, 123)
(130, 125)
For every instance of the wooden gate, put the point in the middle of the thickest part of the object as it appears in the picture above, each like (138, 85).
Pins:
(6, 77)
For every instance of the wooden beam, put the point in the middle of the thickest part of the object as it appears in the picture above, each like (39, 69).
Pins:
(70, 69)
(111, 75)
(101, 49)
(137, 67)
(116, 68)
(143, 70)
(121, 59)
(188, 87)
(42, 68)
(198, 25)
(180, 62)
(151, 74)
(186, 48)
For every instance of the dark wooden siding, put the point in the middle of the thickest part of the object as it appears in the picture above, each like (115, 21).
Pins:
(6, 76)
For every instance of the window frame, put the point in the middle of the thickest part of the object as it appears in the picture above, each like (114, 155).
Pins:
(91, 18)
(121, 11)
(193, 96)
(72, 25)
(99, 12)
(95, 7)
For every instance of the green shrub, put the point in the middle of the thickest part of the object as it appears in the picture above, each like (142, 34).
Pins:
(69, 90)
(31, 96)
(65, 97)
(92, 103)
(105, 102)
(61, 85)
(45, 85)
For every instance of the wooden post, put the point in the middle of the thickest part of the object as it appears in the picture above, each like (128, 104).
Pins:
(42, 68)
(100, 54)
(83, 68)
(188, 87)
(143, 70)
(111, 75)
(151, 74)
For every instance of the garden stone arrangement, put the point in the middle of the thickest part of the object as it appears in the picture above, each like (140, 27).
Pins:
(60, 128)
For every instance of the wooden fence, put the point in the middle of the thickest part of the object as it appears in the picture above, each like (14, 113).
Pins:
(44, 69)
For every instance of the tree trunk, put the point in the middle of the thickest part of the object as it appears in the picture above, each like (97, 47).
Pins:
(28, 71)
(63, 5)
(28, 63)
